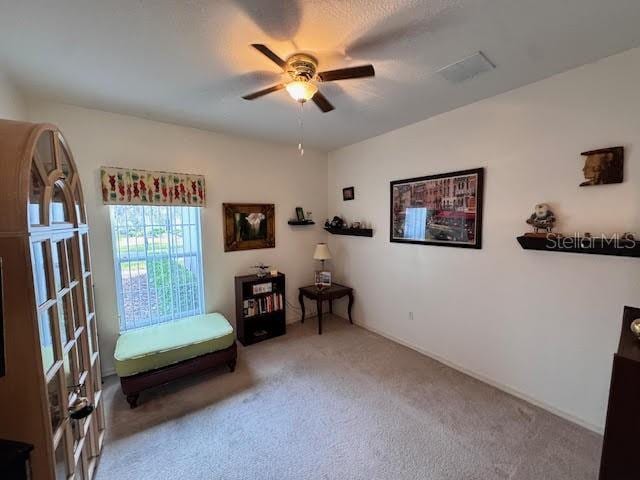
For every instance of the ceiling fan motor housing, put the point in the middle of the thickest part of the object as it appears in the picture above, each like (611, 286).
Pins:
(302, 66)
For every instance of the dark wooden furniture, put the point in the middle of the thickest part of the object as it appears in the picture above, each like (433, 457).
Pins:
(620, 448)
(354, 232)
(14, 460)
(331, 293)
(134, 384)
(50, 323)
(593, 246)
(263, 322)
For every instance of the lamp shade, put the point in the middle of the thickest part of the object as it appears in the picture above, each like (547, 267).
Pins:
(322, 252)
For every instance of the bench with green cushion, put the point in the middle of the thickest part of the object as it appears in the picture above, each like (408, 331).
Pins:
(154, 355)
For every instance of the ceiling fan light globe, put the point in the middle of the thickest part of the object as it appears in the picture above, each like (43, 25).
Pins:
(301, 91)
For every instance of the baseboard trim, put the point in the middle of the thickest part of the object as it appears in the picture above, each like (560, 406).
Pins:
(478, 376)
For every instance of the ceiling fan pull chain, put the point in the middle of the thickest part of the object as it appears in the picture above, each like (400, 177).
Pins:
(301, 125)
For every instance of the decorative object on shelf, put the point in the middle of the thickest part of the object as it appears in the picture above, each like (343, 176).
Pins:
(348, 193)
(322, 253)
(261, 270)
(248, 226)
(337, 222)
(301, 219)
(355, 225)
(444, 209)
(542, 218)
(603, 166)
(635, 328)
(274, 273)
(126, 186)
(260, 316)
(628, 237)
(323, 279)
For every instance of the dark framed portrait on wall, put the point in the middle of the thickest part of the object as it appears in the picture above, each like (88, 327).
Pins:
(348, 193)
(248, 226)
(603, 166)
(443, 209)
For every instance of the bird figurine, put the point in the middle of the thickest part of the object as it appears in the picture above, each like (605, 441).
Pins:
(542, 218)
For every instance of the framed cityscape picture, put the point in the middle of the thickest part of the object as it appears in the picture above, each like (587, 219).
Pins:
(444, 209)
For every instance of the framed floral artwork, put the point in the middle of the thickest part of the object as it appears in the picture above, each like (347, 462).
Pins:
(248, 226)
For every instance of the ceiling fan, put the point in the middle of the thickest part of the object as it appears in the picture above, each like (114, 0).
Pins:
(302, 69)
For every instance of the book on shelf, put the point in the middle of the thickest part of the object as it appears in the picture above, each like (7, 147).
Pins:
(262, 288)
(261, 305)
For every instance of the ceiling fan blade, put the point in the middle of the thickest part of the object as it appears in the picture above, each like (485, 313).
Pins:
(347, 73)
(321, 101)
(266, 51)
(260, 93)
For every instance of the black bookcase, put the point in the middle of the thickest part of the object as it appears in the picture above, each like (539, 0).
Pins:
(622, 430)
(260, 314)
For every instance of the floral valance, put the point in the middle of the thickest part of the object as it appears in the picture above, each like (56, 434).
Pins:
(136, 187)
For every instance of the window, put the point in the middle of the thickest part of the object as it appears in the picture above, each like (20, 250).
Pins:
(158, 262)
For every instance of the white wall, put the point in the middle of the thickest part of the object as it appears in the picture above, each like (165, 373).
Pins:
(12, 104)
(542, 325)
(235, 169)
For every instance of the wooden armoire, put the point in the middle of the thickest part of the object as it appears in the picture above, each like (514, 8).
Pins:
(50, 335)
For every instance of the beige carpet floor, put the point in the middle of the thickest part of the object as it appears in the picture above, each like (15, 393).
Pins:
(345, 405)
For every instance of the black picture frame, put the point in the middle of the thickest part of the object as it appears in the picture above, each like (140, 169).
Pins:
(457, 210)
(300, 214)
(348, 193)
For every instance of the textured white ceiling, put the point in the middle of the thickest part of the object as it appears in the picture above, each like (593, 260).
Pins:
(189, 61)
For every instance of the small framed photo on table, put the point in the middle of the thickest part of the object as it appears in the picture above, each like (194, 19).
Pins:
(300, 214)
(323, 279)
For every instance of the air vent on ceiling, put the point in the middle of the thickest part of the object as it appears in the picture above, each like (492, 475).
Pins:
(467, 68)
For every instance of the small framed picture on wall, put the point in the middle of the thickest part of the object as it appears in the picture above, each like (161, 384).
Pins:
(348, 193)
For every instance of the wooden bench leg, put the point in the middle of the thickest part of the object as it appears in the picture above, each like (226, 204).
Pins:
(132, 398)
(232, 365)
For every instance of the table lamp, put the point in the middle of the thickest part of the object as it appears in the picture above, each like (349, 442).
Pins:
(322, 253)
